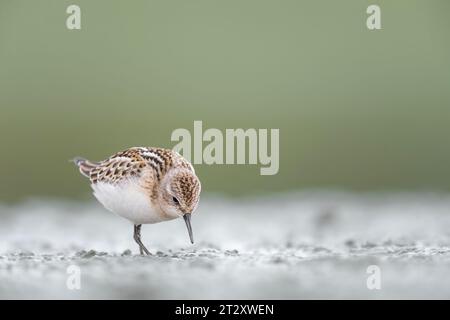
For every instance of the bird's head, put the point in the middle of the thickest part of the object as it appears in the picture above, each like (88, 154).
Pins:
(180, 195)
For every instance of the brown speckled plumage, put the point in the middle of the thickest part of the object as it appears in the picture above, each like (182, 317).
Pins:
(132, 162)
(135, 162)
(144, 185)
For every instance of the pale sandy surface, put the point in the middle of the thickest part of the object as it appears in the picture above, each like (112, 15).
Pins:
(304, 245)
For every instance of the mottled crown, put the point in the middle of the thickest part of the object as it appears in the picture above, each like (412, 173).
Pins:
(186, 187)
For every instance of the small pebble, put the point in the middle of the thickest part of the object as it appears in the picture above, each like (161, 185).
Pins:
(89, 254)
(126, 253)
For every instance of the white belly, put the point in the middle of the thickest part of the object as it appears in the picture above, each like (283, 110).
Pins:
(128, 200)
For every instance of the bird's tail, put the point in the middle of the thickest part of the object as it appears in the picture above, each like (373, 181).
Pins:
(85, 166)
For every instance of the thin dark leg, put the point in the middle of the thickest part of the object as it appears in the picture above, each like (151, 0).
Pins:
(137, 238)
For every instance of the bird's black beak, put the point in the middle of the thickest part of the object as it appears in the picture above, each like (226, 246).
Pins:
(187, 219)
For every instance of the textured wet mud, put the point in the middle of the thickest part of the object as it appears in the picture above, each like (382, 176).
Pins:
(297, 246)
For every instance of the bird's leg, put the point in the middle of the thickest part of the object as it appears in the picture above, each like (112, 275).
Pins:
(137, 238)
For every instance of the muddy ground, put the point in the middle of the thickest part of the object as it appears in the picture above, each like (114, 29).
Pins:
(295, 246)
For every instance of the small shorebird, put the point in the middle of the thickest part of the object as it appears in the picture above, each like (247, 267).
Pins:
(145, 185)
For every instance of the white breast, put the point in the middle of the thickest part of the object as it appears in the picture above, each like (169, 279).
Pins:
(128, 200)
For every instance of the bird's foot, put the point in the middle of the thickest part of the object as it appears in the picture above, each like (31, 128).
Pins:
(144, 251)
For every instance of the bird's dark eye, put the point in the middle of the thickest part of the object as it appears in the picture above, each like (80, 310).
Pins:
(175, 200)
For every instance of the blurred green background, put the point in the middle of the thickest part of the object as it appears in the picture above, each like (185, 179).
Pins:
(356, 109)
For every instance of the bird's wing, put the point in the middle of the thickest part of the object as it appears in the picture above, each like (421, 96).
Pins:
(117, 168)
(133, 161)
